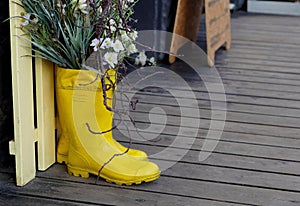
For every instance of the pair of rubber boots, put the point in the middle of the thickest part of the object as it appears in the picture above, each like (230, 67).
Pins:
(86, 143)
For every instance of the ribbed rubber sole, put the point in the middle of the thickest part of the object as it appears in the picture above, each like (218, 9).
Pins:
(85, 174)
(62, 159)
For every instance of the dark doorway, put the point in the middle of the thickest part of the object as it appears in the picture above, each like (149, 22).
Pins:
(6, 114)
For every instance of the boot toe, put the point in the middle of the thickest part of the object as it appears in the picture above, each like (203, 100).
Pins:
(149, 172)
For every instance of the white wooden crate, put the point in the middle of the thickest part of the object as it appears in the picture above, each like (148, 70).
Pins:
(27, 135)
(274, 7)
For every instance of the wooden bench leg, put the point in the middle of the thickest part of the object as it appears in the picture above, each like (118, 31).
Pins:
(218, 29)
(187, 22)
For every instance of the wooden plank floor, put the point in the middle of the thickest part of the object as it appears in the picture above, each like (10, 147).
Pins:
(257, 160)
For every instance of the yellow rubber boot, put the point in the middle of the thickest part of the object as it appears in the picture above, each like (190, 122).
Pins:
(104, 118)
(89, 152)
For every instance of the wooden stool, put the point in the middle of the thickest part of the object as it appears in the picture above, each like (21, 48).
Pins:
(187, 22)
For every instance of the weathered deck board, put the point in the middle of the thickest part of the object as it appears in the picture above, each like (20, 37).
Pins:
(282, 65)
(67, 189)
(271, 45)
(261, 97)
(181, 187)
(258, 19)
(8, 198)
(234, 107)
(255, 76)
(256, 67)
(232, 116)
(256, 161)
(234, 148)
(265, 28)
(236, 161)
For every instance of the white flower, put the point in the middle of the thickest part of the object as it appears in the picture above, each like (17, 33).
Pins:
(130, 1)
(26, 19)
(80, 5)
(112, 25)
(125, 37)
(112, 22)
(137, 61)
(112, 28)
(100, 10)
(118, 46)
(124, 4)
(131, 49)
(95, 43)
(133, 35)
(106, 43)
(152, 60)
(141, 59)
(35, 20)
(61, 7)
(111, 58)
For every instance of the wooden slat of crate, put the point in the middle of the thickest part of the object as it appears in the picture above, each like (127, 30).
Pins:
(25, 133)
(274, 7)
(22, 83)
(45, 113)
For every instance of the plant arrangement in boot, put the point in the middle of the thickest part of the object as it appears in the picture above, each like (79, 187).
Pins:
(66, 32)
(89, 41)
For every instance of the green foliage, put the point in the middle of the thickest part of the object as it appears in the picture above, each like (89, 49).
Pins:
(62, 31)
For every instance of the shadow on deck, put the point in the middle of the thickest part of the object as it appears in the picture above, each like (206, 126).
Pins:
(256, 161)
